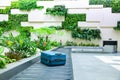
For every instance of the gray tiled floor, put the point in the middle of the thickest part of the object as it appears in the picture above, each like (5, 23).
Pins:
(94, 66)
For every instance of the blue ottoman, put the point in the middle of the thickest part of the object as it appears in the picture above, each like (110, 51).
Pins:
(53, 58)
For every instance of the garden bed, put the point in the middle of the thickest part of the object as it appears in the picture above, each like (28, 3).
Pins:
(16, 67)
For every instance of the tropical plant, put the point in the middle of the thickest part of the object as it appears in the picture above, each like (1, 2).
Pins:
(20, 45)
(43, 44)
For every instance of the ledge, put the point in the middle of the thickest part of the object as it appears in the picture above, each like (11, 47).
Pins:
(16, 67)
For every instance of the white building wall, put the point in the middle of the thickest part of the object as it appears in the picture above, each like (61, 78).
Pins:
(40, 16)
(3, 17)
(41, 24)
(4, 3)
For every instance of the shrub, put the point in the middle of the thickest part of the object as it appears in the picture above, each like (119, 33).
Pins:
(58, 10)
(20, 44)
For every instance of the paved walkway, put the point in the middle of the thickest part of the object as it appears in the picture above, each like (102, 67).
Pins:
(39, 71)
(96, 66)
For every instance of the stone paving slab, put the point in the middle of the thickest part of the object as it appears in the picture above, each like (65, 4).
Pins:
(96, 66)
(39, 71)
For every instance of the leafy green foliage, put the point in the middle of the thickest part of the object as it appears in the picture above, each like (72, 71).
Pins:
(20, 45)
(89, 44)
(57, 27)
(70, 43)
(116, 6)
(25, 31)
(87, 34)
(28, 5)
(55, 43)
(14, 5)
(58, 10)
(118, 26)
(108, 3)
(2, 63)
(44, 31)
(3, 59)
(71, 21)
(14, 22)
(43, 44)
(105, 3)
(5, 11)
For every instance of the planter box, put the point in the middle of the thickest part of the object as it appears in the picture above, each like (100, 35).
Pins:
(16, 67)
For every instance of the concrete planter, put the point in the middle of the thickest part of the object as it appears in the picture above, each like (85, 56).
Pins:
(16, 67)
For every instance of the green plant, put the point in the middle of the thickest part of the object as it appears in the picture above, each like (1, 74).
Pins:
(57, 27)
(115, 6)
(55, 43)
(58, 10)
(20, 44)
(3, 59)
(118, 26)
(71, 21)
(28, 5)
(87, 34)
(43, 44)
(105, 3)
(70, 43)
(14, 22)
(44, 31)
(25, 31)
(89, 44)
(5, 11)
(14, 5)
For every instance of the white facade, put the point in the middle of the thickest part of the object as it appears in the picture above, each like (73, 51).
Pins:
(96, 17)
